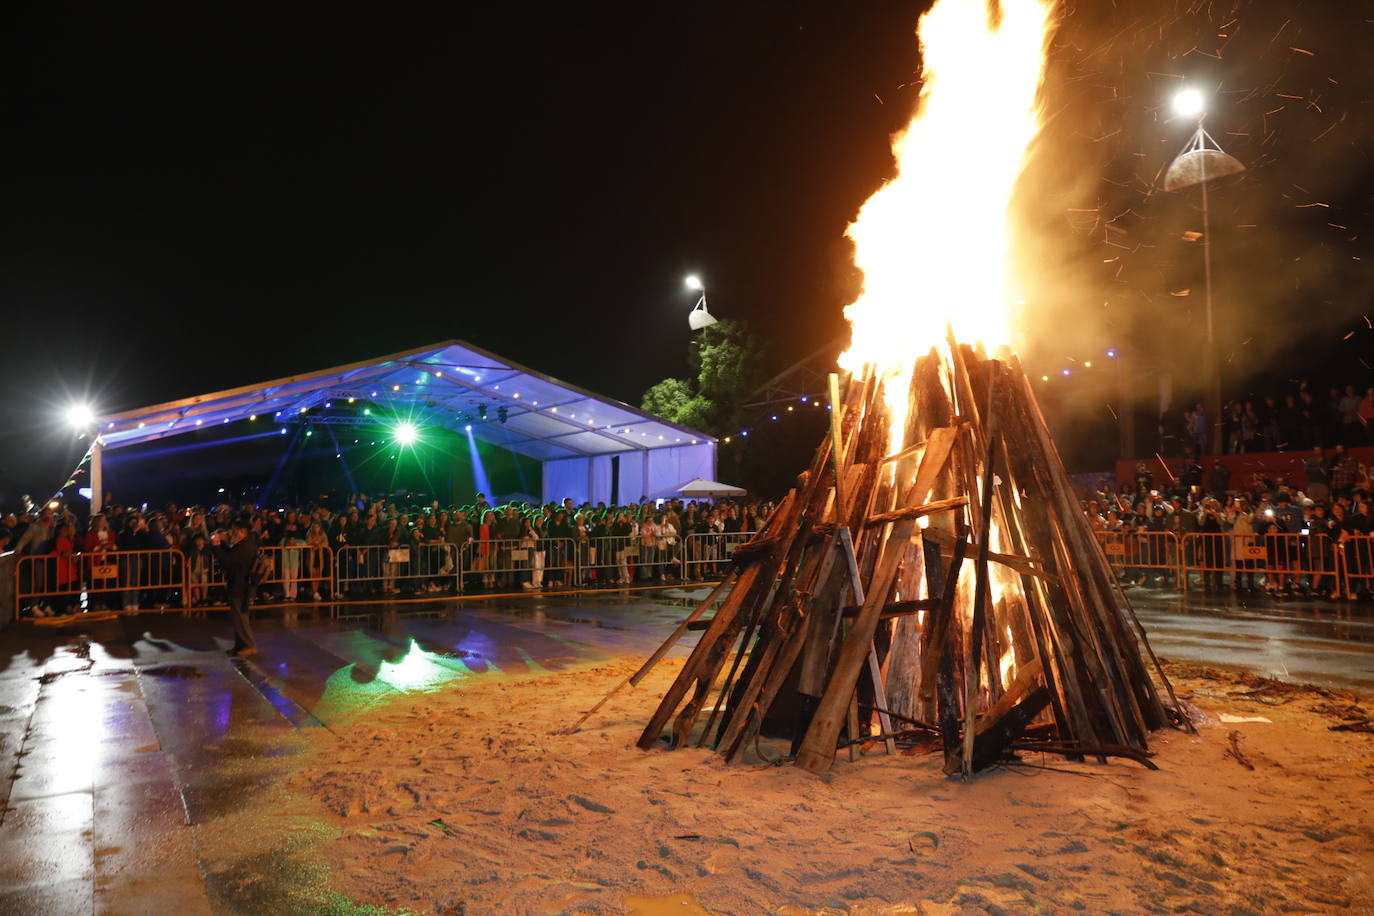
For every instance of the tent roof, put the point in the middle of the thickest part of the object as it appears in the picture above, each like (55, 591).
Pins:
(444, 384)
(703, 487)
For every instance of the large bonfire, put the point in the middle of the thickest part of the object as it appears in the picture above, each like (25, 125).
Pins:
(930, 579)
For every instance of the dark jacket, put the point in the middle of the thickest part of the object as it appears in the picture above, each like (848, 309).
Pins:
(237, 562)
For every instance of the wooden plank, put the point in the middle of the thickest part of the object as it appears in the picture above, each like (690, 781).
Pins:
(1024, 565)
(988, 747)
(706, 658)
(1027, 678)
(973, 669)
(817, 752)
(874, 671)
(634, 679)
(913, 512)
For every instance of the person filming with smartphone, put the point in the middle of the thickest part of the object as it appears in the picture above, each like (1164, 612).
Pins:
(237, 554)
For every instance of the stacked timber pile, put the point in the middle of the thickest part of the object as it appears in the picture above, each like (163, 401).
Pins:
(946, 590)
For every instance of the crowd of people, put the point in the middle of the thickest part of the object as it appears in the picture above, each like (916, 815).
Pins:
(120, 557)
(1292, 422)
(1265, 534)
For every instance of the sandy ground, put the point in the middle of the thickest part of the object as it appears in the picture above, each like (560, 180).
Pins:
(460, 801)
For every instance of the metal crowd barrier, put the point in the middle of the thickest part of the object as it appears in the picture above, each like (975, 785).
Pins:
(1283, 561)
(168, 578)
(625, 559)
(515, 562)
(1357, 563)
(380, 569)
(293, 572)
(705, 555)
(1145, 556)
(133, 577)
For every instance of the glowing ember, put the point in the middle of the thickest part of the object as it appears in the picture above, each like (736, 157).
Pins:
(933, 242)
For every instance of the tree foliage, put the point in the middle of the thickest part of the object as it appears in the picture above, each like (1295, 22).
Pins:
(724, 360)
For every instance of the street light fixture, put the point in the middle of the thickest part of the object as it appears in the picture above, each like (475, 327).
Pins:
(1201, 160)
(1189, 103)
(80, 416)
(698, 317)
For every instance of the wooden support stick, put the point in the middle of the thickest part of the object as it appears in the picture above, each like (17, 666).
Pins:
(634, 679)
(981, 584)
(940, 505)
(817, 751)
(988, 747)
(1025, 681)
(835, 444)
(874, 671)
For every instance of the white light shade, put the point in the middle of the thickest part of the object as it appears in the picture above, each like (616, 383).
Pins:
(1189, 103)
(80, 416)
(700, 318)
(694, 282)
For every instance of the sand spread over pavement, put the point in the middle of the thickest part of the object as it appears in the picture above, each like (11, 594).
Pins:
(461, 800)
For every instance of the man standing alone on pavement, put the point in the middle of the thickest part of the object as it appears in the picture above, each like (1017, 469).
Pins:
(236, 559)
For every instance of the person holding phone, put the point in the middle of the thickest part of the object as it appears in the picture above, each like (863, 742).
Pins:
(236, 558)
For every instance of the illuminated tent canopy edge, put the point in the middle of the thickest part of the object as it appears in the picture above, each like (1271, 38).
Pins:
(580, 437)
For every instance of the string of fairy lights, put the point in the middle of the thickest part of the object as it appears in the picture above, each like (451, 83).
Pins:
(799, 405)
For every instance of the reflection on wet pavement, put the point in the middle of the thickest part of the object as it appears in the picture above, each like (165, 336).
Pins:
(118, 743)
(1296, 639)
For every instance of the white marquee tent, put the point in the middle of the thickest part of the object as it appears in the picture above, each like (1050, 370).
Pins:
(585, 442)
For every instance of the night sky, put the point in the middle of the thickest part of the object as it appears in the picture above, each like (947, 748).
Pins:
(195, 201)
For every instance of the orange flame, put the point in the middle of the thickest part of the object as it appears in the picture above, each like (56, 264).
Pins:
(933, 242)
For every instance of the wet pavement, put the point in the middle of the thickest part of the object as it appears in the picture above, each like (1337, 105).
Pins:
(118, 739)
(1293, 639)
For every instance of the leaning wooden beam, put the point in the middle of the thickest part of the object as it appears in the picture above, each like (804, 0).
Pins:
(1077, 749)
(989, 746)
(913, 512)
(705, 658)
(634, 679)
(817, 751)
(1026, 566)
(874, 670)
(1026, 680)
(981, 585)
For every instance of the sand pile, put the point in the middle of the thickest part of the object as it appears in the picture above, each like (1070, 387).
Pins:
(463, 802)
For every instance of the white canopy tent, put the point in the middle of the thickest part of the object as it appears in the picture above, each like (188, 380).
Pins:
(589, 446)
(701, 488)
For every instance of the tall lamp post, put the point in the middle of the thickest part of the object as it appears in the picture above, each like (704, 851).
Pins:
(698, 317)
(1201, 160)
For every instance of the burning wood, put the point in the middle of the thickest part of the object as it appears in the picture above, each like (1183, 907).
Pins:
(939, 492)
(958, 585)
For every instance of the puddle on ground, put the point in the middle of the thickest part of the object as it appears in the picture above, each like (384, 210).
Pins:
(181, 672)
(672, 905)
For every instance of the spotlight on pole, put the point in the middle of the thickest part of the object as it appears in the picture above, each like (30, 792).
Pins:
(80, 416)
(1189, 103)
(405, 434)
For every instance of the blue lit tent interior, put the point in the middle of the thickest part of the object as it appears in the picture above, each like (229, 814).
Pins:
(440, 422)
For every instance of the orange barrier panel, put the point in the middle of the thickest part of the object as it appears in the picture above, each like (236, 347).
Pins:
(1142, 556)
(1283, 562)
(1357, 564)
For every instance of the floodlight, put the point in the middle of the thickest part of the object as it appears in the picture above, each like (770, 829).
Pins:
(80, 416)
(694, 282)
(405, 433)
